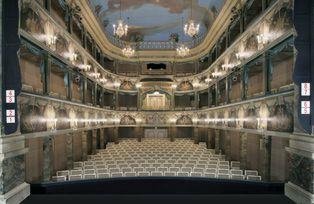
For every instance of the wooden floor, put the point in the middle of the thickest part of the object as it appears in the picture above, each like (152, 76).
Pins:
(160, 199)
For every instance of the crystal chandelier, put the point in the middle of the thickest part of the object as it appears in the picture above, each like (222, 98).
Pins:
(191, 28)
(121, 28)
(128, 51)
(183, 50)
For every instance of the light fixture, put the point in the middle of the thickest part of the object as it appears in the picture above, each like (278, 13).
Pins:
(85, 67)
(95, 74)
(183, 51)
(128, 51)
(102, 80)
(208, 79)
(191, 28)
(262, 39)
(138, 85)
(120, 29)
(174, 86)
(156, 93)
(116, 84)
(51, 39)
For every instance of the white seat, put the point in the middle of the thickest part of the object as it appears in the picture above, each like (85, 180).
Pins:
(89, 176)
(130, 174)
(76, 172)
(236, 172)
(253, 178)
(128, 169)
(198, 170)
(174, 169)
(59, 178)
(143, 173)
(237, 177)
(169, 173)
(196, 174)
(89, 171)
(223, 176)
(210, 175)
(63, 173)
(116, 174)
(156, 173)
(211, 170)
(114, 170)
(75, 177)
(251, 173)
(183, 174)
(138, 169)
(223, 171)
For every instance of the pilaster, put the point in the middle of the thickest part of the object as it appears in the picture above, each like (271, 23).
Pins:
(69, 150)
(243, 150)
(84, 146)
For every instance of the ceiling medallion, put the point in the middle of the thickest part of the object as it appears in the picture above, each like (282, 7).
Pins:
(121, 28)
(183, 51)
(191, 28)
(128, 51)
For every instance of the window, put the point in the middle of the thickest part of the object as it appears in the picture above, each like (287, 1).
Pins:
(59, 80)
(99, 96)
(254, 78)
(184, 101)
(58, 12)
(89, 45)
(222, 96)
(77, 87)
(252, 10)
(222, 46)
(89, 96)
(108, 99)
(32, 69)
(77, 31)
(212, 96)
(235, 84)
(203, 99)
(234, 31)
(281, 67)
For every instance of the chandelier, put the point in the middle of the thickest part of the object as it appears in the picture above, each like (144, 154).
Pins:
(191, 28)
(121, 28)
(128, 51)
(183, 50)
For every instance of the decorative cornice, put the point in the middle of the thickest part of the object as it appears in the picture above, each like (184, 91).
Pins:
(219, 26)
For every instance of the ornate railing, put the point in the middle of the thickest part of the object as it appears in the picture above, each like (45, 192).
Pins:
(154, 45)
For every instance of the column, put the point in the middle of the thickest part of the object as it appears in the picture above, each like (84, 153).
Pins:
(217, 135)
(102, 138)
(139, 133)
(265, 157)
(196, 136)
(94, 141)
(227, 145)
(209, 144)
(172, 133)
(116, 135)
(243, 150)
(48, 158)
(84, 146)
(69, 149)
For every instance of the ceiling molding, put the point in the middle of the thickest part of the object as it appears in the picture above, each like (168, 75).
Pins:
(219, 26)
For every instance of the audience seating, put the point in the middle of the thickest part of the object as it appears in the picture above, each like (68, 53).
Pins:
(156, 157)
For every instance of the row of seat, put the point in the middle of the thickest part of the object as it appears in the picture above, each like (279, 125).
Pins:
(156, 173)
(156, 157)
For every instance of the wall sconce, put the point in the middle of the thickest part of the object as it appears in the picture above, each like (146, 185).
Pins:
(85, 67)
(51, 40)
(102, 80)
(138, 85)
(116, 84)
(208, 80)
(263, 39)
(174, 86)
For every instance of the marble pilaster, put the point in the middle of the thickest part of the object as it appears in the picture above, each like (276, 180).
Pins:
(116, 135)
(243, 150)
(48, 158)
(69, 150)
(217, 135)
(84, 146)
(102, 138)
(196, 135)
(94, 141)
(227, 145)
(265, 157)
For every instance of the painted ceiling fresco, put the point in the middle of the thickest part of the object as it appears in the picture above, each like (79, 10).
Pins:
(156, 20)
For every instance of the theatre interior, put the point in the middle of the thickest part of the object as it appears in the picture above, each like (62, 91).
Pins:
(130, 96)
